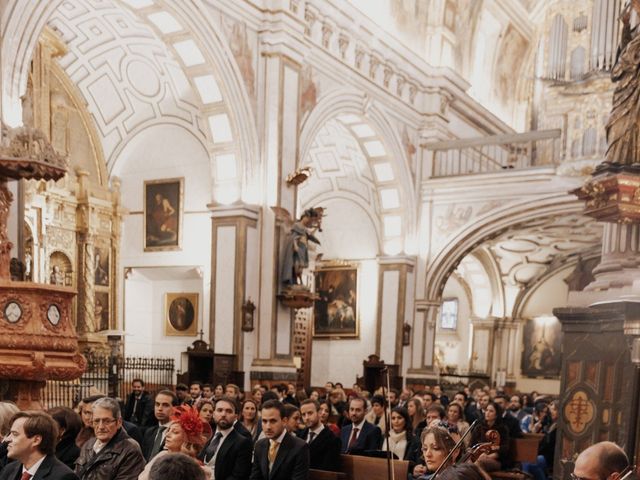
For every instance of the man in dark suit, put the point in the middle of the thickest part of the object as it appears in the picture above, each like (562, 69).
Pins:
(31, 443)
(360, 435)
(153, 441)
(324, 446)
(139, 406)
(279, 456)
(228, 453)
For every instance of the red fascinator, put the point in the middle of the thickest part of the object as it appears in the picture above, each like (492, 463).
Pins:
(197, 430)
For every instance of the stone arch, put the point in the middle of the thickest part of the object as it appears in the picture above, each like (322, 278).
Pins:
(23, 22)
(486, 227)
(340, 103)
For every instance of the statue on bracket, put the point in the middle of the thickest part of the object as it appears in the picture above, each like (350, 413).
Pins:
(295, 256)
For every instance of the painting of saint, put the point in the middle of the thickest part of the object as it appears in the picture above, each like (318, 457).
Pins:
(101, 311)
(163, 214)
(542, 344)
(335, 311)
(101, 266)
(182, 310)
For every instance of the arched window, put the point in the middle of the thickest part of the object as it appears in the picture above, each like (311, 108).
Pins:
(577, 63)
(557, 48)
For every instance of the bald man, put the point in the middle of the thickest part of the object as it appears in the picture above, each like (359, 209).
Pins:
(604, 461)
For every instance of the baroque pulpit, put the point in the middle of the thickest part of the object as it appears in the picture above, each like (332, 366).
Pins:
(38, 340)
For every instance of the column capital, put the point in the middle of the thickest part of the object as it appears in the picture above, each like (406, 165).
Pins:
(218, 211)
(397, 260)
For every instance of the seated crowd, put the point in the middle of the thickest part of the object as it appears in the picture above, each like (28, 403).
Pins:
(217, 432)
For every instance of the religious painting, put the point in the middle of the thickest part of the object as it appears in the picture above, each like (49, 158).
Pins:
(181, 314)
(335, 311)
(101, 266)
(101, 311)
(163, 214)
(542, 344)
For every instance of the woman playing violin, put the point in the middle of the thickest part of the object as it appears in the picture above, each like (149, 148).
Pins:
(493, 461)
(436, 445)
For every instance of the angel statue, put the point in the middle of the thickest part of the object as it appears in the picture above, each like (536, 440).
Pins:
(623, 126)
(296, 251)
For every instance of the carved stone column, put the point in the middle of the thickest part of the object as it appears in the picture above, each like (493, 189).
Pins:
(281, 55)
(394, 306)
(234, 281)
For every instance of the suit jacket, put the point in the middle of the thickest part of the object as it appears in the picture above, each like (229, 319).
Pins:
(143, 413)
(233, 460)
(324, 450)
(242, 430)
(50, 469)
(369, 438)
(147, 441)
(291, 463)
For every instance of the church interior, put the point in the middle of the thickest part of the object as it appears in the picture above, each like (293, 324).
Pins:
(226, 158)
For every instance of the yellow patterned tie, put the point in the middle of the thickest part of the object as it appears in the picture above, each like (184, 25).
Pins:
(273, 451)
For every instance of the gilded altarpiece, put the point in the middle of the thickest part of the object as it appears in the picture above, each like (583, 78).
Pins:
(72, 226)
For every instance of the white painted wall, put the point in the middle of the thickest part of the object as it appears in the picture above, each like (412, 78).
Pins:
(348, 233)
(551, 294)
(145, 314)
(455, 344)
(159, 152)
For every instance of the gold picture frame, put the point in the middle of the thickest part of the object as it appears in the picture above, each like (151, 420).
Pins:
(163, 212)
(181, 314)
(335, 312)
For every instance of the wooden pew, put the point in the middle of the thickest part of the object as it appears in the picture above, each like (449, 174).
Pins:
(523, 450)
(325, 475)
(356, 467)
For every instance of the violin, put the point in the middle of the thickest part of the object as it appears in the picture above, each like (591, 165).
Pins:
(492, 445)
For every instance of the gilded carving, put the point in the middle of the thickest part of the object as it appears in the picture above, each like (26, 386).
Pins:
(579, 411)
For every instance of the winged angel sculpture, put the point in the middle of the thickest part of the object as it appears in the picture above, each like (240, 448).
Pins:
(296, 251)
(623, 126)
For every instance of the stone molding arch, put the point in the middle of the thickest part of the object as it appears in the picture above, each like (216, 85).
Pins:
(487, 227)
(23, 22)
(339, 102)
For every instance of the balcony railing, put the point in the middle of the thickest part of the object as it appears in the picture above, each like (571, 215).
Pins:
(496, 153)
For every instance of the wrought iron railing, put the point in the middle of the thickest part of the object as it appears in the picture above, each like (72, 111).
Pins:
(495, 153)
(110, 375)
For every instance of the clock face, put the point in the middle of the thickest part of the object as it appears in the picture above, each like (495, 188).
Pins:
(53, 314)
(12, 312)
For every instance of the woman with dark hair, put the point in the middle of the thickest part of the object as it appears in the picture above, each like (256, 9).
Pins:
(417, 415)
(218, 391)
(325, 413)
(546, 448)
(400, 434)
(250, 418)
(69, 425)
(205, 408)
(492, 421)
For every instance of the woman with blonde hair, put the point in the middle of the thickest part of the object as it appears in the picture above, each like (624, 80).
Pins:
(187, 434)
(7, 411)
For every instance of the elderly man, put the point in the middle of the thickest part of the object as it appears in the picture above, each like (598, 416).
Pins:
(112, 454)
(603, 461)
(31, 443)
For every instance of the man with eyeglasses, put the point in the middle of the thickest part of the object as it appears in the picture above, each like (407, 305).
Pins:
(602, 461)
(112, 454)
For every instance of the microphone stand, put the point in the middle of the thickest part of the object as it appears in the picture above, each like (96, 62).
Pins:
(457, 445)
(390, 470)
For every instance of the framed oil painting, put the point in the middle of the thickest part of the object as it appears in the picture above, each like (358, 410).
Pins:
(101, 266)
(335, 313)
(163, 208)
(181, 314)
(101, 311)
(541, 356)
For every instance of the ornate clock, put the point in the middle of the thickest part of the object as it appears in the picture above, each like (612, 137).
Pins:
(53, 314)
(12, 311)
